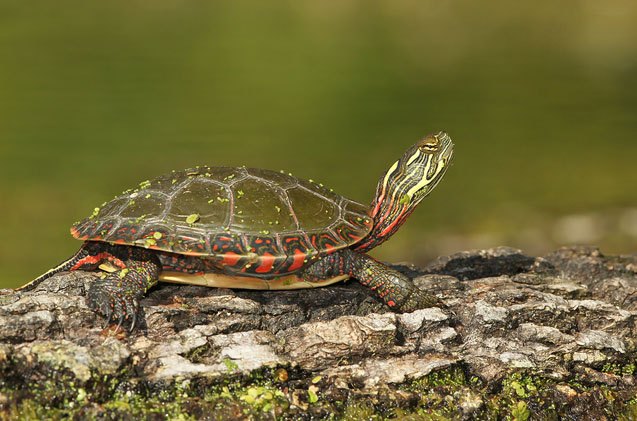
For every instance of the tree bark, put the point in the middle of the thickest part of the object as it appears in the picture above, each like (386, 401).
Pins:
(552, 336)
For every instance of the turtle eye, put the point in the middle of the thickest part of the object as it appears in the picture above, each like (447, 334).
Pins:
(430, 144)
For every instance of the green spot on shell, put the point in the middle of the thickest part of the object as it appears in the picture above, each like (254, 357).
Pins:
(148, 242)
(144, 184)
(157, 235)
(264, 232)
(240, 194)
(223, 199)
(192, 218)
(96, 212)
(278, 209)
(147, 196)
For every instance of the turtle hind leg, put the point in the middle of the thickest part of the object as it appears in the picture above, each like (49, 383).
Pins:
(395, 289)
(116, 297)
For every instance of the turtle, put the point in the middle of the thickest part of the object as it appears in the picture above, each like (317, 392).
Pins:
(250, 228)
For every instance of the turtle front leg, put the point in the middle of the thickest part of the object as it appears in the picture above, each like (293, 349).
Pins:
(117, 296)
(395, 289)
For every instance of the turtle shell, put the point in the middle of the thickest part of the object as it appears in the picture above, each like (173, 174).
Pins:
(248, 220)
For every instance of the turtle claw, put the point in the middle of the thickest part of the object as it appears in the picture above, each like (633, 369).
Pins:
(106, 299)
(417, 299)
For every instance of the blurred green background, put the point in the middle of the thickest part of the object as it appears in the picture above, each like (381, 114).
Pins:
(540, 98)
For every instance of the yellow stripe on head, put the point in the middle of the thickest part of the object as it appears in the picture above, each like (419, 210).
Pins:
(389, 173)
(426, 180)
(413, 157)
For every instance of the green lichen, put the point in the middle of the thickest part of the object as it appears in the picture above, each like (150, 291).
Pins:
(312, 396)
(288, 393)
(230, 365)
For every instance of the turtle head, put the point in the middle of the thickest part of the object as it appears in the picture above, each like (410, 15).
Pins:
(405, 184)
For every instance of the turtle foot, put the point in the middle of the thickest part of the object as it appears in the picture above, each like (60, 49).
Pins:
(418, 299)
(113, 303)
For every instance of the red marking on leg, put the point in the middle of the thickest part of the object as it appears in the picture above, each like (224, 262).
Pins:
(97, 259)
(299, 259)
(114, 260)
(267, 261)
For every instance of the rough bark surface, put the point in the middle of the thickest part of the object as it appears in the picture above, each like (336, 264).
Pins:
(522, 336)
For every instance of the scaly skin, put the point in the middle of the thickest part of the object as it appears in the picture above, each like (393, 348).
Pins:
(392, 287)
(117, 296)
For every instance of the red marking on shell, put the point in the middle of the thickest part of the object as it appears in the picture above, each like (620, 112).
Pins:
(329, 248)
(290, 239)
(230, 258)
(267, 261)
(119, 241)
(391, 303)
(313, 239)
(299, 258)
(224, 238)
(258, 241)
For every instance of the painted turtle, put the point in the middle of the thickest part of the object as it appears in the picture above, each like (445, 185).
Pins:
(251, 228)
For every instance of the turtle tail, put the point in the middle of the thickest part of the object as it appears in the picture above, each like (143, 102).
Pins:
(65, 265)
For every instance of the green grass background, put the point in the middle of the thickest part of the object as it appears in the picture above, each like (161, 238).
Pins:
(540, 98)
